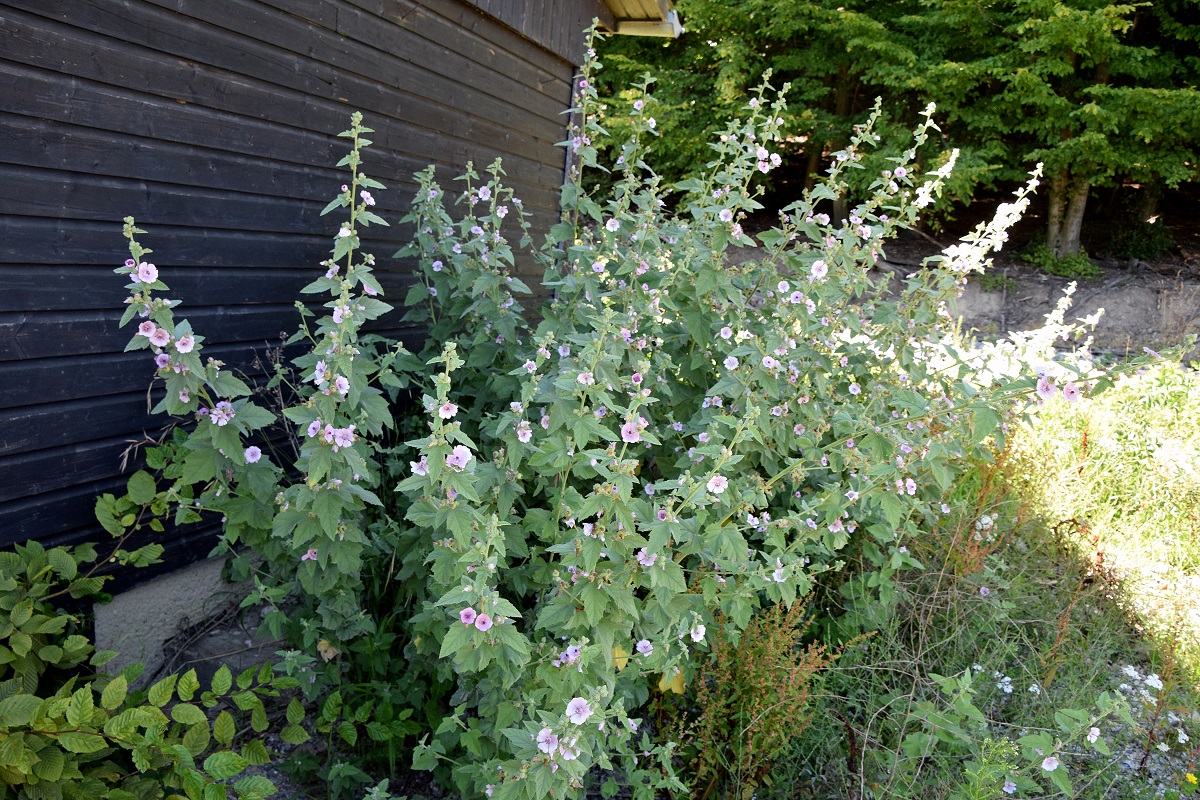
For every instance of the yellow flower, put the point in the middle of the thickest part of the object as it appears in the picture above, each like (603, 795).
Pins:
(1190, 778)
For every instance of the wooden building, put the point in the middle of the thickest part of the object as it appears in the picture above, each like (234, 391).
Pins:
(214, 123)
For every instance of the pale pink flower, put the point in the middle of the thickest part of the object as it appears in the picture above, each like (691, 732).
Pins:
(319, 372)
(162, 360)
(147, 273)
(586, 378)
(1045, 388)
(1093, 735)
(818, 270)
(459, 458)
(697, 633)
(342, 384)
(310, 555)
(420, 467)
(855, 389)
(524, 432)
(630, 432)
(547, 741)
(184, 397)
(467, 616)
(147, 329)
(613, 225)
(725, 332)
(769, 362)
(448, 410)
(1071, 392)
(725, 215)
(252, 454)
(731, 363)
(718, 484)
(343, 437)
(185, 343)
(1050, 763)
(160, 337)
(483, 622)
(646, 558)
(578, 710)
(1009, 787)
(644, 647)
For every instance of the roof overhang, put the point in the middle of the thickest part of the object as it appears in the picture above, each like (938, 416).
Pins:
(643, 18)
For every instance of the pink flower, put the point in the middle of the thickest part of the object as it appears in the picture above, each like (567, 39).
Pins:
(314, 428)
(253, 454)
(1071, 392)
(855, 389)
(185, 343)
(725, 215)
(343, 437)
(448, 410)
(1050, 764)
(147, 329)
(459, 458)
(725, 333)
(718, 484)
(310, 555)
(697, 633)
(578, 710)
(483, 622)
(1009, 787)
(630, 432)
(646, 558)
(818, 270)
(644, 647)
(1093, 735)
(160, 337)
(420, 467)
(147, 273)
(586, 378)
(524, 432)
(1045, 387)
(613, 225)
(162, 360)
(343, 385)
(731, 363)
(319, 372)
(467, 616)
(547, 741)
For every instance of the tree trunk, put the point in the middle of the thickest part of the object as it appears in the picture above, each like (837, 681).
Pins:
(1058, 207)
(841, 109)
(813, 164)
(1073, 223)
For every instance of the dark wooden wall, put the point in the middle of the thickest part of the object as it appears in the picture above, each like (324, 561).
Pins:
(213, 122)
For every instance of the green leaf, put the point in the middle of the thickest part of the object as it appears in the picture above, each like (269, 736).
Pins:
(82, 742)
(222, 681)
(160, 693)
(197, 738)
(114, 694)
(256, 785)
(294, 734)
(17, 710)
(188, 685)
(295, 712)
(224, 729)
(188, 714)
(79, 710)
(224, 765)
(141, 487)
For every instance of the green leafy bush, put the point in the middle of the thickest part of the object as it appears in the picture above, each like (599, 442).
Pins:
(675, 441)
(66, 732)
(1072, 265)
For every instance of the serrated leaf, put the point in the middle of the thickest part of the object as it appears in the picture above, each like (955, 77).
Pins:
(82, 742)
(222, 681)
(224, 765)
(188, 685)
(17, 710)
(79, 710)
(160, 693)
(224, 729)
(50, 766)
(294, 734)
(188, 714)
(256, 752)
(197, 738)
(255, 784)
(114, 694)
(295, 711)
(141, 487)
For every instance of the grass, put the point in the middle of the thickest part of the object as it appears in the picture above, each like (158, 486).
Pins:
(1065, 572)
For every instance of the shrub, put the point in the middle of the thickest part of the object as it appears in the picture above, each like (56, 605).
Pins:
(68, 732)
(675, 441)
(1072, 265)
